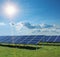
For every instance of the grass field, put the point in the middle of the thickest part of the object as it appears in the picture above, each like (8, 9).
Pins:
(43, 51)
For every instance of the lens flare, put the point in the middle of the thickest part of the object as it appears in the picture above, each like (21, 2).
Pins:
(10, 10)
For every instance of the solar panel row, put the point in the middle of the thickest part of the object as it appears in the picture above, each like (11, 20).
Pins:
(28, 39)
(51, 39)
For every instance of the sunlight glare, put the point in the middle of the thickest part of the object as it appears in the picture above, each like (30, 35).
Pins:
(10, 10)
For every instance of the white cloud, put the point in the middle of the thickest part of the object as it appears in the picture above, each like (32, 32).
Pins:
(19, 26)
(38, 26)
(46, 26)
(26, 28)
(37, 29)
(2, 24)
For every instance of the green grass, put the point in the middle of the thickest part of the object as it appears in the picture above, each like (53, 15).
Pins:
(44, 51)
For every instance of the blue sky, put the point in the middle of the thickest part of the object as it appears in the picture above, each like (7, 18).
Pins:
(33, 18)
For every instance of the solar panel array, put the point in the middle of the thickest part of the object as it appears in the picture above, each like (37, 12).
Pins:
(51, 39)
(28, 39)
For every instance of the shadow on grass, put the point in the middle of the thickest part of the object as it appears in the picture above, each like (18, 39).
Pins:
(50, 44)
(21, 47)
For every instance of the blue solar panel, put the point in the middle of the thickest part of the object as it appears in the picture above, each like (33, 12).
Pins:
(21, 39)
(28, 39)
(35, 40)
(3, 39)
(51, 39)
(57, 39)
(45, 38)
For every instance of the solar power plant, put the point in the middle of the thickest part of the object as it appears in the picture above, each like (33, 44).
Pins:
(20, 39)
(34, 39)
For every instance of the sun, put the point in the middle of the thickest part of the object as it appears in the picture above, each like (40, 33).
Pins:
(10, 10)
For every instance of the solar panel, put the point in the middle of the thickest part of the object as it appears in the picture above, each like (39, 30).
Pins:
(26, 40)
(34, 39)
(3, 39)
(57, 39)
(52, 38)
(45, 38)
